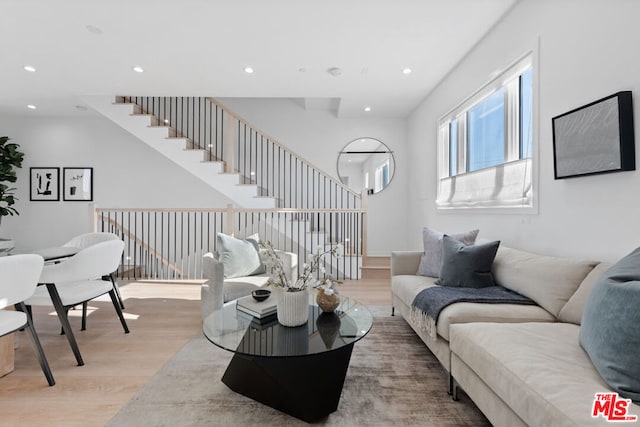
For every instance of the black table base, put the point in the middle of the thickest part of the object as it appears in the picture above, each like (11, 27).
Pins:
(306, 387)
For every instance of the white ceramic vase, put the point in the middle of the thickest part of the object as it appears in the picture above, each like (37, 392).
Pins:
(293, 308)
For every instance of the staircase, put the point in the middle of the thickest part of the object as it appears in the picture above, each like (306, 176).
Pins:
(276, 188)
(225, 151)
(169, 141)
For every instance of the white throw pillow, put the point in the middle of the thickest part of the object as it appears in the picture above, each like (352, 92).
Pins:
(239, 257)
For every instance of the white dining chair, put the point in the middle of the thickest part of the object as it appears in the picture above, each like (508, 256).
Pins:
(88, 239)
(78, 280)
(19, 276)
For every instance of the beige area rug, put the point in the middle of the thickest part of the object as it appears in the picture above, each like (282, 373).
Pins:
(393, 379)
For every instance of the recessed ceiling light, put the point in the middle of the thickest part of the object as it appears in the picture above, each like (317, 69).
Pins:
(367, 109)
(248, 70)
(29, 68)
(31, 107)
(93, 29)
(406, 71)
(138, 69)
(334, 71)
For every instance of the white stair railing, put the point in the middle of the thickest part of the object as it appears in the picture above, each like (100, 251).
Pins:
(168, 244)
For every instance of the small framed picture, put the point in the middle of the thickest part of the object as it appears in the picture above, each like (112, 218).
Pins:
(78, 184)
(44, 184)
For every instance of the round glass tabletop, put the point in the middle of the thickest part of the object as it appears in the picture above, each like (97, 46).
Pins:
(241, 333)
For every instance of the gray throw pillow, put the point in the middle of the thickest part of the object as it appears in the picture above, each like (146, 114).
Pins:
(239, 257)
(610, 331)
(467, 266)
(431, 260)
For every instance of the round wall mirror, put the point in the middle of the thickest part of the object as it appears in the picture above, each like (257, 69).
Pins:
(366, 164)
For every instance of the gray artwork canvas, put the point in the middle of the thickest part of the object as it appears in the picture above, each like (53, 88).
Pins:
(588, 140)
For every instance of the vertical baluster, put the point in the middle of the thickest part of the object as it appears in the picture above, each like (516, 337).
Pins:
(162, 234)
(137, 248)
(250, 155)
(187, 120)
(206, 143)
(264, 150)
(244, 154)
(222, 139)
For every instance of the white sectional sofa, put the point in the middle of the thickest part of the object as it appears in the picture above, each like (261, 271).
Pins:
(521, 364)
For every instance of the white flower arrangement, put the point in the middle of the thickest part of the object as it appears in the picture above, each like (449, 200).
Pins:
(278, 278)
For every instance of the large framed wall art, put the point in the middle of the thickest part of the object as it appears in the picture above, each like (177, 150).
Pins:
(595, 138)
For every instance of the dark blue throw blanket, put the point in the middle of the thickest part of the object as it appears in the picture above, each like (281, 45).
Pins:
(433, 300)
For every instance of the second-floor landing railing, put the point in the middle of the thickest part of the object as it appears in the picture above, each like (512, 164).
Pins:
(169, 243)
(259, 159)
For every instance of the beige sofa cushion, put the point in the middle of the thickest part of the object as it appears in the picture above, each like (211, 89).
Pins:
(538, 369)
(406, 288)
(549, 281)
(572, 310)
(468, 312)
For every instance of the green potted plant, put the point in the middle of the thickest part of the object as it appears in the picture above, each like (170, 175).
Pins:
(10, 159)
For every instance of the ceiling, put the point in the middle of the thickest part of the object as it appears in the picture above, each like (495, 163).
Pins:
(201, 48)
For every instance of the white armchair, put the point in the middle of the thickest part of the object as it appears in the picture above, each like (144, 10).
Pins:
(18, 280)
(218, 290)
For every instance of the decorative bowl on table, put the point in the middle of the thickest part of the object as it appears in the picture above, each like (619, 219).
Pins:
(261, 294)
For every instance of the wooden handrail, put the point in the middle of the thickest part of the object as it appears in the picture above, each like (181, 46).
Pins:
(236, 210)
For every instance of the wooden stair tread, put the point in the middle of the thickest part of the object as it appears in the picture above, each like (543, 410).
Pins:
(378, 261)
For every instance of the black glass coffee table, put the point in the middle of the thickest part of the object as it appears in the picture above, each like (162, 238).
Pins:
(299, 371)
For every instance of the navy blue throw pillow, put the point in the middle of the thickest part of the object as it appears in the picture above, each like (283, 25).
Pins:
(467, 266)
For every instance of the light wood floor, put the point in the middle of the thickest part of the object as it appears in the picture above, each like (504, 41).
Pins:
(162, 318)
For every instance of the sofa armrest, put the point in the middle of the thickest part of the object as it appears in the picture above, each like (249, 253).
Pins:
(405, 262)
(290, 261)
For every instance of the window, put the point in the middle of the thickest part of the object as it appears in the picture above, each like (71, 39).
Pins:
(453, 147)
(486, 144)
(485, 138)
(382, 176)
(526, 119)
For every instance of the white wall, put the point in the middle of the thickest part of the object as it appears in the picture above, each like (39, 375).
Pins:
(127, 173)
(587, 50)
(319, 136)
